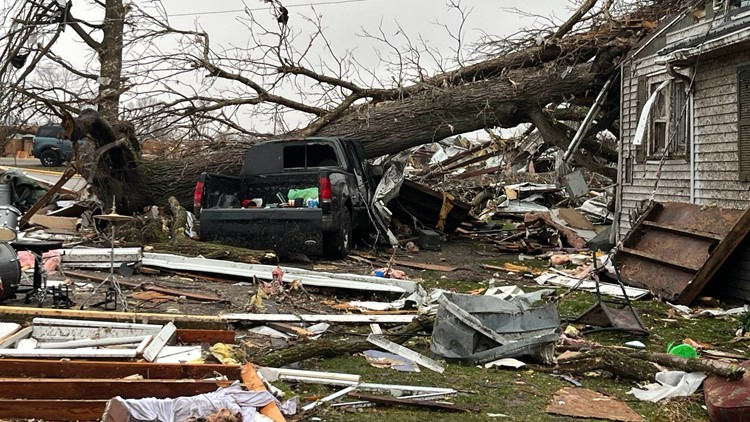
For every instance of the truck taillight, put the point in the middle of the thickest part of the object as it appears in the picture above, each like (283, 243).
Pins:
(198, 198)
(325, 189)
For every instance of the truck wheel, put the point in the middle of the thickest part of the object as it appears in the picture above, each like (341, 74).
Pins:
(338, 244)
(50, 158)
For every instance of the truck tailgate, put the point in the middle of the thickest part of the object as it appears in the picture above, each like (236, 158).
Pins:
(284, 230)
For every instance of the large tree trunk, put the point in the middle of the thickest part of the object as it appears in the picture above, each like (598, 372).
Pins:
(110, 60)
(397, 125)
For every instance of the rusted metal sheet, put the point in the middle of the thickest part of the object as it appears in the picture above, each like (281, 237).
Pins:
(675, 249)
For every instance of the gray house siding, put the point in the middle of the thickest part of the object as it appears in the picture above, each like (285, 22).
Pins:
(715, 149)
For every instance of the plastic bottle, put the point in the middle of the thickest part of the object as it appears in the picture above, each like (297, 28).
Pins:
(309, 203)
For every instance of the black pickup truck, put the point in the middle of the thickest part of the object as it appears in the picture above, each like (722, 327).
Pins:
(255, 210)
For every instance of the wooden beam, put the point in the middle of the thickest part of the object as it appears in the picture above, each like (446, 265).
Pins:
(188, 336)
(50, 410)
(37, 368)
(252, 382)
(69, 172)
(95, 389)
(185, 320)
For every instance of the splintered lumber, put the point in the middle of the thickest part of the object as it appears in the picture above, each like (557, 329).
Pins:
(91, 389)
(37, 368)
(413, 403)
(23, 313)
(330, 346)
(149, 287)
(82, 410)
(253, 383)
(10, 340)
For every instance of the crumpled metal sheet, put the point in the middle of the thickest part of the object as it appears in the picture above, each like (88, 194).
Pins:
(479, 329)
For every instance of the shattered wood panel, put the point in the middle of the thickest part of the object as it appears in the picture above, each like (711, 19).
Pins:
(676, 248)
(426, 204)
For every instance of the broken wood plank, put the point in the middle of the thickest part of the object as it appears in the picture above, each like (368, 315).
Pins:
(36, 368)
(342, 318)
(10, 340)
(160, 340)
(188, 336)
(402, 351)
(70, 353)
(69, 410)
(149, 287)
(414, 403)
(409, 264)
(24, 313)
(252, 382)
(92, 389)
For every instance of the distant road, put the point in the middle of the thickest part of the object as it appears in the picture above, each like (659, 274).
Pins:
(22, 162)
(32, 167)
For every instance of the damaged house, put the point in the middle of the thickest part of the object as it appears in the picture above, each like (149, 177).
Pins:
(685, 116)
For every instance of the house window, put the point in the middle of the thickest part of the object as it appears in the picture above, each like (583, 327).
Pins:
(669, 128)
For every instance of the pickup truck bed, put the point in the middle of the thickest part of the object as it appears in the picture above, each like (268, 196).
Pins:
(229, 213)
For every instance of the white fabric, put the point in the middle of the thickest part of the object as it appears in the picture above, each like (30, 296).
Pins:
(233, 398)
(640, 130)
(673, 384)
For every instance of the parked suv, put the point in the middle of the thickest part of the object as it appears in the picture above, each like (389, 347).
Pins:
(50, 149)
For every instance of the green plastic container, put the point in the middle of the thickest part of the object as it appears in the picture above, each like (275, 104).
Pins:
(303, 193)
(682, 350)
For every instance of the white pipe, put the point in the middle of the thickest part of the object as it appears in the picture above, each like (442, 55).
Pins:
(691, 99)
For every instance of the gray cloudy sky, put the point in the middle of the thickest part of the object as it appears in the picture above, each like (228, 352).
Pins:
(342, 23)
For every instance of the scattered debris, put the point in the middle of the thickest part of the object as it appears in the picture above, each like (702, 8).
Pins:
(671, 384)
(585, 403)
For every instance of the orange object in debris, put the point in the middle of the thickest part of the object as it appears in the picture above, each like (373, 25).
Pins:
(253, 383)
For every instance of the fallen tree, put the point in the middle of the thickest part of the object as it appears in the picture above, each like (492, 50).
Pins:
(518, 83)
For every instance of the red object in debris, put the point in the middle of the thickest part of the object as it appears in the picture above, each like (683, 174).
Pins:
(246, 203)
(325, 189)
(277, 274)
(198, 197)
(728, 401)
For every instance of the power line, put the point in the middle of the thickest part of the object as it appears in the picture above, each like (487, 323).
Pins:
(217, 12)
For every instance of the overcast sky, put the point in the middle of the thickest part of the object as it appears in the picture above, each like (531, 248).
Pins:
(344, 22)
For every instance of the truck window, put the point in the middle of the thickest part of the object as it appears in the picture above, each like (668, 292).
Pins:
(309, 155)
(48, 131)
